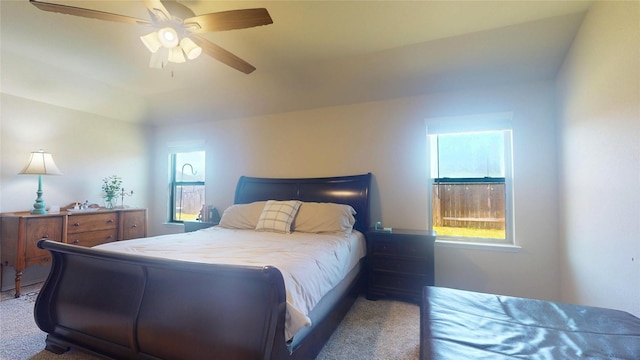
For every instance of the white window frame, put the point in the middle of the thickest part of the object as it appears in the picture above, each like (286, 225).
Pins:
(467, 124)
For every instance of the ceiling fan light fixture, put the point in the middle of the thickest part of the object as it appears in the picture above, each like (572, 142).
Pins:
(175, 24)
(190, 48)
(151, 41)
(176, 55)
(168, 37)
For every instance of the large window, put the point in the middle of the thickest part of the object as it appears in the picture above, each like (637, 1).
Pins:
(471, 185)
(187, 185)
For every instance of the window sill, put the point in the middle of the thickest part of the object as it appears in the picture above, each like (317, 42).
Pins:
(478, 246)
(173, 224)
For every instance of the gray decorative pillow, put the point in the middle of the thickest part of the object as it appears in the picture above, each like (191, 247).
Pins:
(316, 217)
(242, 216)
(277, 216)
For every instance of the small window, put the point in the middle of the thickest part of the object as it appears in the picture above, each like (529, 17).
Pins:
(187, 185)
(471, 186)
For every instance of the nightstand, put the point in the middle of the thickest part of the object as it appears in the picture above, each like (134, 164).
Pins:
(190, 226)
(399, 263)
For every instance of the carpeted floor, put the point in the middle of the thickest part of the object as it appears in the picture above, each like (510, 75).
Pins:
(372, 330)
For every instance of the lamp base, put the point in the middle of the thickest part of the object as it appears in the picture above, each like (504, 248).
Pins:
(39, 207)
(38, 211)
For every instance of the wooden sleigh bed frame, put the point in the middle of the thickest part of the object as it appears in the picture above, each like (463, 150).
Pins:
(125, 306)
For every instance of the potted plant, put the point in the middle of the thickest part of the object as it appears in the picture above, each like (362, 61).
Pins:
(111, 187)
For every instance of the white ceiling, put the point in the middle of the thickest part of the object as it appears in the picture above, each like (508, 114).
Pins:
(315, 54)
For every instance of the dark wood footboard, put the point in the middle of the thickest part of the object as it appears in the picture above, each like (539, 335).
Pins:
(126, 306)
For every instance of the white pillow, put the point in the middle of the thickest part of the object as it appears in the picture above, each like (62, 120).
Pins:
(277, 216)
(324, 218)
(242, 216)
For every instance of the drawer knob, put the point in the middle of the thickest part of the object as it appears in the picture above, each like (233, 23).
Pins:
(110, 221)
(76, 224)
(109, 237)
(134, 225)
(45, 236)
(76, 241)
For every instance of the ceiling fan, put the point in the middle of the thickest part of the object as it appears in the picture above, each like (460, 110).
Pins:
(177, 29)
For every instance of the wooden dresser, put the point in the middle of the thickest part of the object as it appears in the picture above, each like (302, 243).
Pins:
(21, 232)
(399, 263)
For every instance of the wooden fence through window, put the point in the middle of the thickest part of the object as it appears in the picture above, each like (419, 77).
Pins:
(189, 200)
(469, 205)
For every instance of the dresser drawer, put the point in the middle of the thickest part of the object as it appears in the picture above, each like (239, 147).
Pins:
(92, 238)
(92, 222)
(40, 260)
(38, 228)
(133, 224)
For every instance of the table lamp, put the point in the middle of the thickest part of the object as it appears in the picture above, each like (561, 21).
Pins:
(40, 163)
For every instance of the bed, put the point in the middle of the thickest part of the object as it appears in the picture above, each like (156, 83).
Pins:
(458, 324)
(130, 304)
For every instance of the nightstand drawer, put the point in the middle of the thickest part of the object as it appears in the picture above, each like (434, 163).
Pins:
(414, 248)
(384, 247)
(403, 266)
(406, 247)
(412, 284)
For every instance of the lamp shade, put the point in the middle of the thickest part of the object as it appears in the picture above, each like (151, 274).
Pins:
(190, 48)
(159, 58)
(41, 163)
(151, 41)
(176, 55)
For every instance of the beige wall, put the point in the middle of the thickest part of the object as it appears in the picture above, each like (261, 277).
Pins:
(599, 88)
(85, 147)
(388, 139)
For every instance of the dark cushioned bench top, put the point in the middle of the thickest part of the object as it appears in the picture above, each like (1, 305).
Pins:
(458, 324)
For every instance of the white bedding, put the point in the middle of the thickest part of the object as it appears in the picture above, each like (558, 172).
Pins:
(311, 264)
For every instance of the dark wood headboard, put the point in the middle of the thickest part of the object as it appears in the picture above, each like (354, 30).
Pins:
(351, 190)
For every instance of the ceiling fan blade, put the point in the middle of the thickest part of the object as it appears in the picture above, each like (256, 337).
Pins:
(228, 20)
(157, 9)
(222, 55)
(87, 13)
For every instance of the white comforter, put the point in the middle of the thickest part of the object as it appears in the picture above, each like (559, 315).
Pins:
(311, 264)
